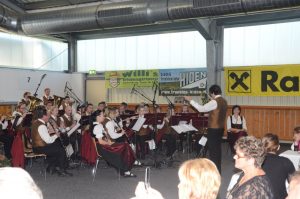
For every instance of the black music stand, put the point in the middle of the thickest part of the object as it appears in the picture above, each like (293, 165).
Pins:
(200, 123)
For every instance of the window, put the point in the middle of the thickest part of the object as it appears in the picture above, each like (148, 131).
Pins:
(171, 50)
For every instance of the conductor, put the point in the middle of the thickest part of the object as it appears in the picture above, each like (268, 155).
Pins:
(216, 108)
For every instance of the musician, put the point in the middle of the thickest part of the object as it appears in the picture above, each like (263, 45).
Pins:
(142, 135)
(114, 130)
(89, 109)
(67, 122)
(25, 100)
(54, 122)
(5, 137)
(101, 106)
(66, 102)
(49, 145)
(146, 108)
(217, 108)
(164, 131)
(19, 114)
(49, 104)
(123, 109)
(119, 155)
(185, 108)
(46, 96)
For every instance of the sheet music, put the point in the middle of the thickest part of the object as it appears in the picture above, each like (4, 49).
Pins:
(73, 129)
(203, 141)
(182, 128)
(139, 123)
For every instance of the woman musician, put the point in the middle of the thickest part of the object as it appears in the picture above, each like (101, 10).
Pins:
(119, 155)
(5, 137)
(165, 132)
(143, 134)
(112, 127)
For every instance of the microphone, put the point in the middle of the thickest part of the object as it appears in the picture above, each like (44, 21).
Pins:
(44, 75)
(133, 89)
(66, 85)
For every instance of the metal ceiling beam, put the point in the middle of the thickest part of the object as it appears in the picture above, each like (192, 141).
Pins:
(202, 25)
(12, 6)
(260, 19)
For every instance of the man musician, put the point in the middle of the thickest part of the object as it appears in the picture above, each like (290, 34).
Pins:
(49, 145)
(67, 123)
(47, 96)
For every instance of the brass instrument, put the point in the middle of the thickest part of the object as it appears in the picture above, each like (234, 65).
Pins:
(34, 102)
(57, 100)
(8, 117)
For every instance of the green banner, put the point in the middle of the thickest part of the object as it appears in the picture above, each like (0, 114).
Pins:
(129, 78)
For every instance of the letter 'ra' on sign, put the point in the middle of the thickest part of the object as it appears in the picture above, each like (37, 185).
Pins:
(269, 80)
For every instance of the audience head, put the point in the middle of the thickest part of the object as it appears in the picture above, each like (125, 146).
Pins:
(236, 110)
(199, 179)
(146, 108)
(271, 143)
(16, 183)
(297, 133)
(215, 90)
(250, 152)
(294, 186)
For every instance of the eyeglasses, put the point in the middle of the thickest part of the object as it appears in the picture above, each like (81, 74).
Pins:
(237, 156)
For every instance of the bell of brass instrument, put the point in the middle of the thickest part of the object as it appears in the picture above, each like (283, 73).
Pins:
(57, 100)
(34, 102)
(8, 117)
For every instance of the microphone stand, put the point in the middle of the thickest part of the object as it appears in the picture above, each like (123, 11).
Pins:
(35, 93)
(76, 98)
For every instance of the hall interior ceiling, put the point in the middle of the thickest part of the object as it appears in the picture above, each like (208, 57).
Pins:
(89, 19)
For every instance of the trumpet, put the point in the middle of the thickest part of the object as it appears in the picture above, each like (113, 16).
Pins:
(7, 117)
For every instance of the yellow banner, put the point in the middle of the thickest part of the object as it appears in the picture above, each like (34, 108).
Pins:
(130, 78)
(280, 80)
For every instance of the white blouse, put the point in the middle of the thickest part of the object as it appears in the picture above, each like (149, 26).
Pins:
(237, 120)
(98, 130)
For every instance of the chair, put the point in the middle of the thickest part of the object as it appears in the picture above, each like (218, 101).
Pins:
(32, 155)
(95, 167)
(29, 154)
(98, 158)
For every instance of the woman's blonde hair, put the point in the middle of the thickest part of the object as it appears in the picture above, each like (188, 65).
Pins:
(199, 179)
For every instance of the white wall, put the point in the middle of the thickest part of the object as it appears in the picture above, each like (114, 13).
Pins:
(14, 82)
(171, 50)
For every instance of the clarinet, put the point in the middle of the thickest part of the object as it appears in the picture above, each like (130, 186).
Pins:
(62, 140)
(128, 140)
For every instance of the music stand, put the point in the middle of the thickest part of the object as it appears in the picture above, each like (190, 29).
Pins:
(200, 123)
